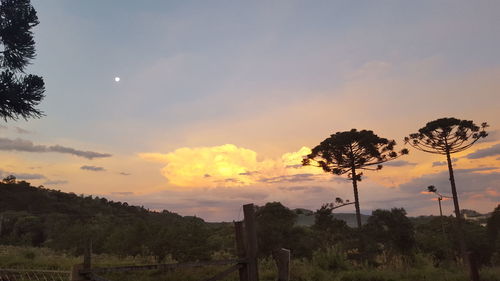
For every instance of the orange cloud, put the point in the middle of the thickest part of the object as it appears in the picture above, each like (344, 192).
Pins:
(229, 165)
(493, 192)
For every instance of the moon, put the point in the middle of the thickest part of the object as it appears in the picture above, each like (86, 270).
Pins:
(117, 79)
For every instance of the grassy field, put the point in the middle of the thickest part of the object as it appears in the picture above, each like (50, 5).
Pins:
(322, 267)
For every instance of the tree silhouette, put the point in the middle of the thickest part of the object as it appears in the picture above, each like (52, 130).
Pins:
(275, 224)
(446, 136)
(351, 151)
(393, 229)
(20, 93)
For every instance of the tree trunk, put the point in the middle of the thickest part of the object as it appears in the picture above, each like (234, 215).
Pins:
(458, 214)
(356, 196)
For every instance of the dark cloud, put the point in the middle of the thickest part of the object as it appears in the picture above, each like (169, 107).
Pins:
(26, 176)
(248, 173)
(399, 163)
(443, 163)
(407, 202)
(22, 176)
(439, 163)
(297, 166)
(233, 180)
(228, 180)
(92, 168)
(249, 195)
(289, 178)
(28, 146)
(342, 179)
(486, 152)
(22, 131)
(208, 203)
(56, 182)
(313, 189)
(122, 193)
(472, 170)
(81, 153)
(317, 189)
(124, 174)
(293, 188)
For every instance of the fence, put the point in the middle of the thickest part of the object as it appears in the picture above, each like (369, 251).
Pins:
(33, 275)
(246, 264)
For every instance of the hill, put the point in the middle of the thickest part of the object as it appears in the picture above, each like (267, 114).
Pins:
(36, 216)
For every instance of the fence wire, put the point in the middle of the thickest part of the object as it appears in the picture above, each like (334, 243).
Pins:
(34, 275)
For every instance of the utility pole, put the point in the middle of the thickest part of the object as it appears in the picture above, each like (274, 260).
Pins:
(433, 189)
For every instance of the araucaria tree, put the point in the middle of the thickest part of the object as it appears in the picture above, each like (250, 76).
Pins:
(446, 136)
(350, 152)
(20, 93)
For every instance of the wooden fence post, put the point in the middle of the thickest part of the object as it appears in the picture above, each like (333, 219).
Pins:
(87, 255)
(282, 259)
(251, 238)
(241, 249)
(76, 272)
(1, 224)
(473, 270)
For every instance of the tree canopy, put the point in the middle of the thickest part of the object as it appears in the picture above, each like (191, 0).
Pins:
(393, 229)
(447, 135)
(363, 149)
(20, 93)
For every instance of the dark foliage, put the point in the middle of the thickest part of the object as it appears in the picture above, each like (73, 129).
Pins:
(444, 247)
(447, 136)
(431, 239)
(42, 217)
(391, 229)
(274, 226)
(329, 229)
(19, 93)
(494, 230)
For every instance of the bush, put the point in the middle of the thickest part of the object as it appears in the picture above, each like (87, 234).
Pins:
(332, 258)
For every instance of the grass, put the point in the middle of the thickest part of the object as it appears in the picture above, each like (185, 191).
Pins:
(324, 266)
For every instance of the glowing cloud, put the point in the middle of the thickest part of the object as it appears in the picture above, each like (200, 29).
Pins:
(227, 165)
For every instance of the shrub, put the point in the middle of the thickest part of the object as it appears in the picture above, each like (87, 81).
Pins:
(332, 258)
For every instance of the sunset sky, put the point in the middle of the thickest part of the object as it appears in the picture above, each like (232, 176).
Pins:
(218, 101)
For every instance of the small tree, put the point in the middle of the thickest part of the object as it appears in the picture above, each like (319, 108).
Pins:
(275, 223)
(446, 136)
(19, 93)
(328, 228)
(392, 229)
(351, 151)
(10, 179)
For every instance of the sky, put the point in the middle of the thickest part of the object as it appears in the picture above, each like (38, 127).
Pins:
(218, 101)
